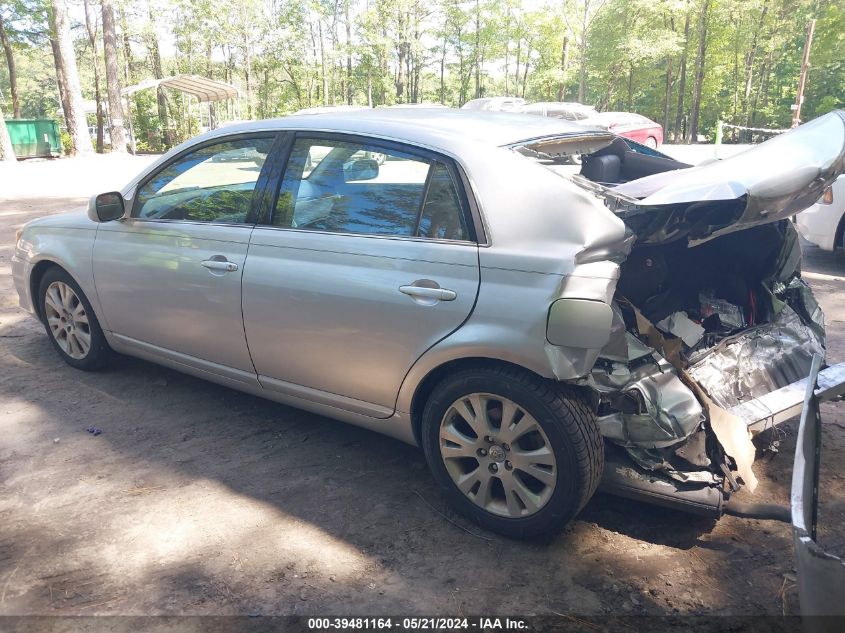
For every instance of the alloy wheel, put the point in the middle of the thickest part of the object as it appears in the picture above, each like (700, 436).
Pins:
(497, 455)
(67, 320)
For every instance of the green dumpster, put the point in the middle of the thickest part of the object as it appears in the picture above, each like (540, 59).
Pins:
(35, 137)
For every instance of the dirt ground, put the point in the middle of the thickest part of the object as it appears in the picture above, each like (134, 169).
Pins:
(200, 500)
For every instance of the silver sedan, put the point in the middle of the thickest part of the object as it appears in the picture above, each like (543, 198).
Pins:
(447, 278)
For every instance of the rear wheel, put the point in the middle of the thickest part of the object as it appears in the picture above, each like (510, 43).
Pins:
(513, 452)
(651, 142)
(70, 321)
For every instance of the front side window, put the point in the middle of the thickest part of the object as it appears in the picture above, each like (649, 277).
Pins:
(211, 184)
(353, 187)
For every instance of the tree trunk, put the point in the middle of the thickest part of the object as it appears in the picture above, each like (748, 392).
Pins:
(248, 75)
(323, 63)
(762, 87)
(699, 73)
(7, 152)
(127, 49)
(582, 50)
(477, 50)
(527, 64)
(349, 85)
(158, 73)
(13, 75)
(209, 72)
(369, 85)
(91, 27)
(507, 31)
(564, 62)
(401, 53)
(749, 62)
(415, 94)
(667, 100)
(75, 114)
(116, 129)
(582, 72)
(462, 94)
(443, 72)
(60, 73)
(682, 81)
(383, 69)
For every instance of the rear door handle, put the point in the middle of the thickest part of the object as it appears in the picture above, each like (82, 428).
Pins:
(423, 292)
(217, 264)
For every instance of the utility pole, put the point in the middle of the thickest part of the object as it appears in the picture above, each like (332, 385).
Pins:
(805, 66)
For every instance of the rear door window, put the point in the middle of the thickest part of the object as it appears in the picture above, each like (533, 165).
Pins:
(342, 186)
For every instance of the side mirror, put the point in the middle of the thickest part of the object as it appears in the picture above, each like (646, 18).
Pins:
(360, 169)
(106, 207)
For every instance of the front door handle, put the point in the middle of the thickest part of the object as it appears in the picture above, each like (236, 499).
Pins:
(220, 264)
(430, 294)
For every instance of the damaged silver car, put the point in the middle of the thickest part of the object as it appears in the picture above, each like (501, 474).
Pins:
(536, 330)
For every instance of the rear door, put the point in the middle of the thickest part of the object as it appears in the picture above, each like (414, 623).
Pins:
(368, 258)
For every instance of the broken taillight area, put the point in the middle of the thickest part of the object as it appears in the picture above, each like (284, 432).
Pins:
(697, 331)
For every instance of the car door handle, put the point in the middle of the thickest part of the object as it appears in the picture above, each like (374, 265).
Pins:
(423, 292)
(217, 264)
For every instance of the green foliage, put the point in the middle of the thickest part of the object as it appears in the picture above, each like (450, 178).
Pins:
(287, 55)
(67, 142)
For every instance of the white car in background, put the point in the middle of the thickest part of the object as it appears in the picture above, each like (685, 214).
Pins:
(495, 104)
(569, 110)
(822, 223)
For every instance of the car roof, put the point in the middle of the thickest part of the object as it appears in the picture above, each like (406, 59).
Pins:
(447, 129)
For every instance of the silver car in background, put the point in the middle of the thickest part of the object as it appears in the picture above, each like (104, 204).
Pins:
(537, 328)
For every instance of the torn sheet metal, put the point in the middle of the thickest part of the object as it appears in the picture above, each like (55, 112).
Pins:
(659, 409)
(666, 411)
(772, 409)
(809, 305)
(758, 360)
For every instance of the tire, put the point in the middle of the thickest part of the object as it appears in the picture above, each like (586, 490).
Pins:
(651, 142)
(68, 327)
(520, 505)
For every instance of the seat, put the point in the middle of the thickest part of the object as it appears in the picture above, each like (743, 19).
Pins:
(605, 169)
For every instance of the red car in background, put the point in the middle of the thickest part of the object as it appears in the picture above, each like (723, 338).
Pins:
(630, 125)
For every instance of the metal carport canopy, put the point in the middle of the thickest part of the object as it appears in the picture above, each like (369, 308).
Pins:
(200, 87)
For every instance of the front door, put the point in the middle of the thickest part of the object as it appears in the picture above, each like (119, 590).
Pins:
(169, 277)
(369, 259)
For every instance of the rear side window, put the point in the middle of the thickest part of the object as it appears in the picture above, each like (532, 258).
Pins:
(441, 216)
(351, 187)
(212, 184)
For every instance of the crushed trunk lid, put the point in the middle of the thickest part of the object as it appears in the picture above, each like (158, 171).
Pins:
(766, 183)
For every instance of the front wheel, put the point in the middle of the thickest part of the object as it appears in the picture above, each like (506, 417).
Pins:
(651, 142)
(515, 453)
(70, 321)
